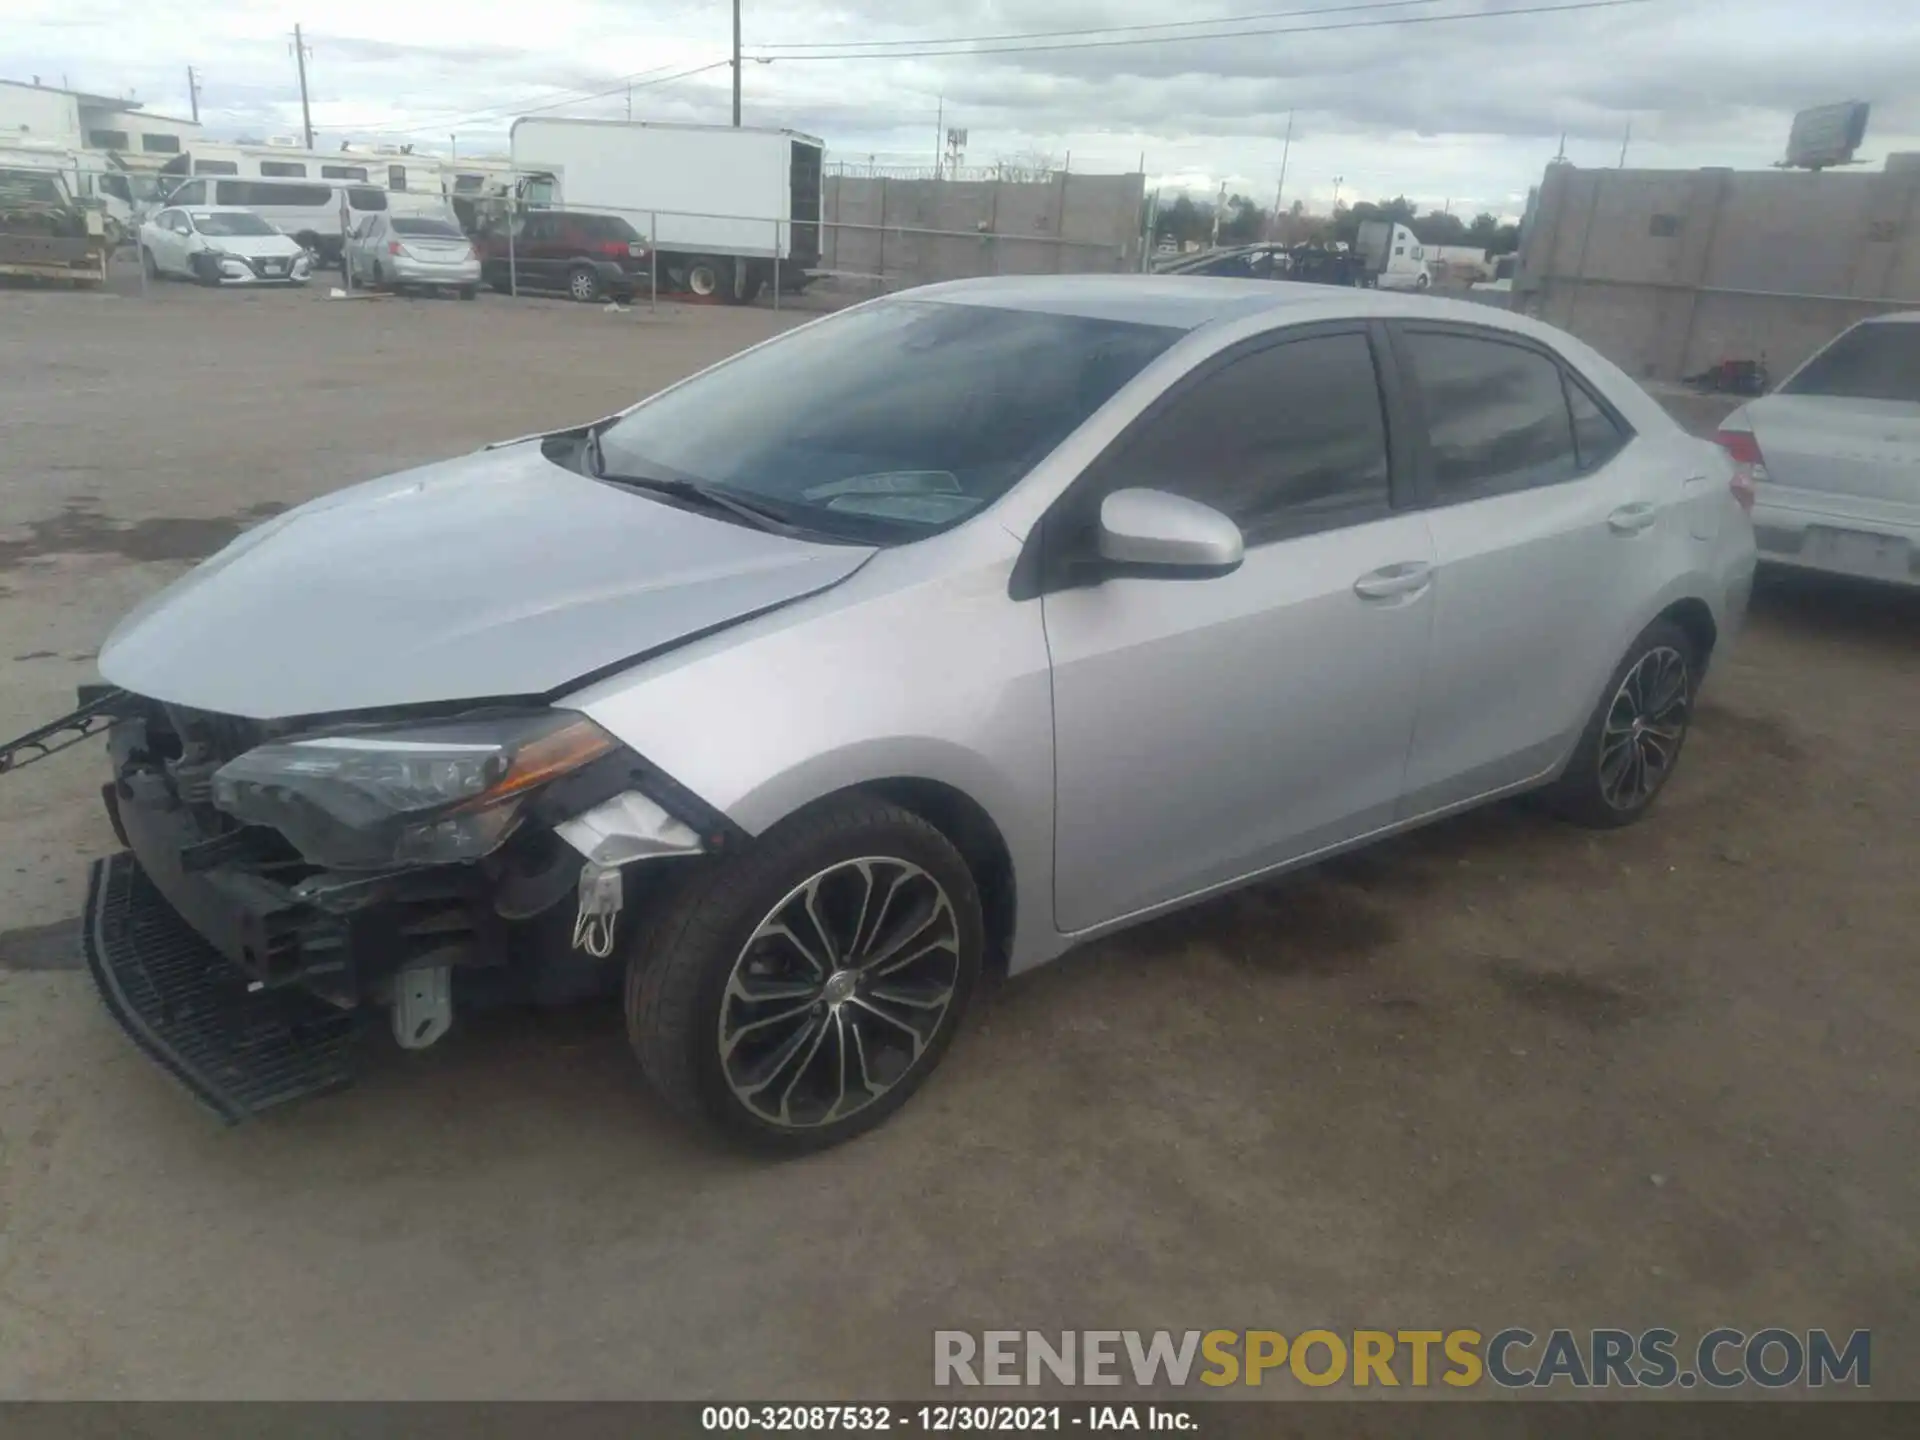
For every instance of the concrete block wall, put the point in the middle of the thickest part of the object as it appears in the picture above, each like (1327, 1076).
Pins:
(1668, 272)
(950, 230)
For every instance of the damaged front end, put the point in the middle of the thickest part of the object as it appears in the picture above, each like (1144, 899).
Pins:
(284, 878)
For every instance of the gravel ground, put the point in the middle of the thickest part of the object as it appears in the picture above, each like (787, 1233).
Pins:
(1497, 1072)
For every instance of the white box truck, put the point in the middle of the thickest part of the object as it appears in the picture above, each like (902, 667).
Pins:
(720, 205)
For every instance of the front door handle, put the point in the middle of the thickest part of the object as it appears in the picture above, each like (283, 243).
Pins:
(1409, 577)
(1632, 519)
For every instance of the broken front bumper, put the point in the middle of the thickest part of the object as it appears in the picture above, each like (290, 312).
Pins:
(238, 1046)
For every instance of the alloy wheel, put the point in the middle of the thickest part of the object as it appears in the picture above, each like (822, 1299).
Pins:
(582, 285)
(1640, 737)
(839, 991)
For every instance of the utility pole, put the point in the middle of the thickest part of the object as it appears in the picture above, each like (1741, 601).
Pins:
(736, 67)
(939, 134)
(1625, 141)
(306, 111)
(1286, 151)
(193, 93)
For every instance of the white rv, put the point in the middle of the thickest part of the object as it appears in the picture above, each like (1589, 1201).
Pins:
(312, 212)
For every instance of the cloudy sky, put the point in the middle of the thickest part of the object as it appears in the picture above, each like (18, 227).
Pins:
(1466, 110)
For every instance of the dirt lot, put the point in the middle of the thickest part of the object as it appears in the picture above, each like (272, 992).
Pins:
(1501, 1072)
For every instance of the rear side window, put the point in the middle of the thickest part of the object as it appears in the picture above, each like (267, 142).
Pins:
(1286, 441)
(1597, 436)
(1496, 414)
(283, 169)
(367, 197)
(601, 227)
(1870, 362)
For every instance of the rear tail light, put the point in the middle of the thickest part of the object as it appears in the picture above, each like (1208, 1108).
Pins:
(615, 248)
(636, 249)
(394, 247)
(1749, 466)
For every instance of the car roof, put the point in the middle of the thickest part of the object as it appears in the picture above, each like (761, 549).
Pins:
(1187, 302)
(1899, 317)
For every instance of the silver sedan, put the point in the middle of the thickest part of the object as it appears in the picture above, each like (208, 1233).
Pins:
(1832, 457)
(952, 630)
(407, 252)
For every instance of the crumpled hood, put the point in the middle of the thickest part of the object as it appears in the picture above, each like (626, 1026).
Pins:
(500, 573)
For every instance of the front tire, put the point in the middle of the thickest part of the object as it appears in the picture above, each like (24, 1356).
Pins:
(797, 994)
(583, 284)
(704, 277)
(1633, 740)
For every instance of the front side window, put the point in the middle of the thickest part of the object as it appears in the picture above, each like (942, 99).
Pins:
(891, 422)
(1876, 361)
(1496, 415)
(116, 186)
(1284, 441)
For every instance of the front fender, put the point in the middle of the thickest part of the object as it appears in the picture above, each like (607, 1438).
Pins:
(918, 667)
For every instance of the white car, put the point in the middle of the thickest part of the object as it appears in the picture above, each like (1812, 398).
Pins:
(1832, 457)
(221, 245)
(409, 252)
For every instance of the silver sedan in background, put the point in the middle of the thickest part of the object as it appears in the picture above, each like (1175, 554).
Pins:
(952, 630)
(1832, 457)
(412, 252)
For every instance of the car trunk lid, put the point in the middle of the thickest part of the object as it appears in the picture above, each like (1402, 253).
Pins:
(1860, 449)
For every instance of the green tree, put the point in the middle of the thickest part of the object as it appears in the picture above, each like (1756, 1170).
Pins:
(1484, 229)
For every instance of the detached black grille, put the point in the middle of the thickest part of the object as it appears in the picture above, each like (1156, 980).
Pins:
(239, 1050)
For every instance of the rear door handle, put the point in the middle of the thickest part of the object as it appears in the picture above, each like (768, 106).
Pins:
(1632, 519)
(1409, 577)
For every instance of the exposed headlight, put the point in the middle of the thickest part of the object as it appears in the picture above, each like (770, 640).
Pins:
(413, 795)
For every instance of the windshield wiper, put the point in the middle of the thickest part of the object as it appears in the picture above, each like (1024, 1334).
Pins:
(700, 492)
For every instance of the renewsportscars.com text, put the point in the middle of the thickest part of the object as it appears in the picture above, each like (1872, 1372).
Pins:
(1513, 1358)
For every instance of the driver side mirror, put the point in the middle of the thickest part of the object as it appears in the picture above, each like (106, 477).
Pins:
(1155, 534)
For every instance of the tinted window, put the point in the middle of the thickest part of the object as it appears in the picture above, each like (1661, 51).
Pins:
(367, 198)
(116, 186)
(1496, 415)
(439, 229)
(396, 177)
(194, 192)
(107, 139)
(1597, 436)
(343, 172)
(283, 169)
(160, 144)
(601, 227)
(215, 167)
(888, 422)
(1871, 362)
(1286, 440)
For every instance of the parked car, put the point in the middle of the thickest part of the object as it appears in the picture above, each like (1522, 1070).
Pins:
(403, 252)
(583, 255)
(1240, 262)
(221, 245)
(1832, 457)
(310, 213)
(954, 629)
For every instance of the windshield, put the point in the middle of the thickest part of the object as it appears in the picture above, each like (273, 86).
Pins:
(1873, 362)
(231, 223)
(437, 229)
(22, 187)
(892, 421)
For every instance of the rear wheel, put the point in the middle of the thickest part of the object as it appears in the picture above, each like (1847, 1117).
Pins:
(583, 283)
(798, 993)
(704, 277)
(1632, 742)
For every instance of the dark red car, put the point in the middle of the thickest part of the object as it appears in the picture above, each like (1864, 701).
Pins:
(586, 256)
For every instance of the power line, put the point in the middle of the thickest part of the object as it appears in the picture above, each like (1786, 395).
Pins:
(1219, 35)
(811, 45)
(631, 82)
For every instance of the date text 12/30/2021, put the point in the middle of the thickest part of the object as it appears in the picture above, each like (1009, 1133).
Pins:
(944, 1419)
